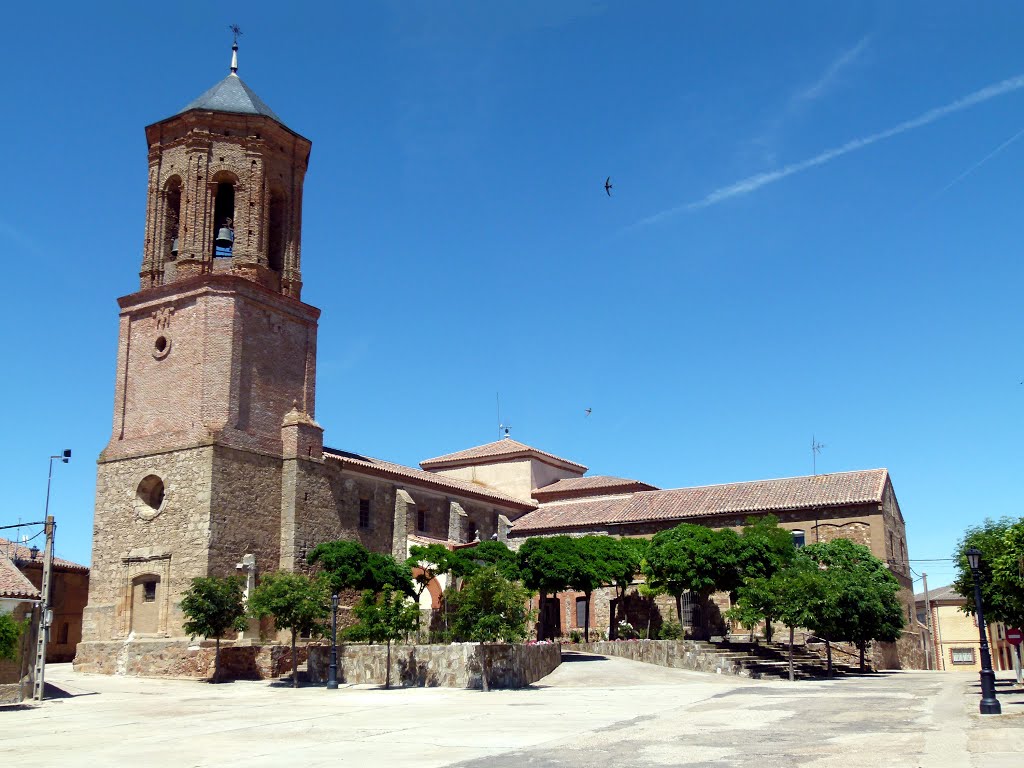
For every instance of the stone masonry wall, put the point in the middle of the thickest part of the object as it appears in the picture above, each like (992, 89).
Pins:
(183, 658)
(131, 539)
(450, 666)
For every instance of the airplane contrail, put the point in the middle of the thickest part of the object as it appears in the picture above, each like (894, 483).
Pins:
(751, 183)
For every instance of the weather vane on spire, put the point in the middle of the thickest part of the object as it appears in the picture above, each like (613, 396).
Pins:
(235, 31)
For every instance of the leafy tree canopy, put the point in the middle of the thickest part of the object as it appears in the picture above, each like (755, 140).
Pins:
(494, 553)
(546, 563)
(384, 617)
(10, 631)
(693, 558)
(212, 606)
(295, 601)
(1002, 569)
(490, 608)
(764, 547)
(350, 565)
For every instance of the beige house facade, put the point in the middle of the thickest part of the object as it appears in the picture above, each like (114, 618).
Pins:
(955, 640)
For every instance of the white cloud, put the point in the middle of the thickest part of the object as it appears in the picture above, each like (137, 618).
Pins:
(752, 183)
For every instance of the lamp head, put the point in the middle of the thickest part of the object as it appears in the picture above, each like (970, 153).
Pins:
(33, 552)
(66, 456)
(974, 558)
(334, 601)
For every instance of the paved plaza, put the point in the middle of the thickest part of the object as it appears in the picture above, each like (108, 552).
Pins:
(592, 711)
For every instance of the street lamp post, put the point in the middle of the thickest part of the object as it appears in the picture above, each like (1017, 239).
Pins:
(989, 703)
(39, 674)
(332, 670)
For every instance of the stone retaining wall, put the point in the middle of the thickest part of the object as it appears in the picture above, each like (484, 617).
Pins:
(678, 654)
(181, 658)
(451, 666)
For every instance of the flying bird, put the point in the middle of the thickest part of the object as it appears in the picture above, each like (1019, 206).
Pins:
(608, 186)
(589, 410)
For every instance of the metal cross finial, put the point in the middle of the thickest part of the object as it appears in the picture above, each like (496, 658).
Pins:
(235, 31)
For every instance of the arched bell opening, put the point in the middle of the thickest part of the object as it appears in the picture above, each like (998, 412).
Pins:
(275, 230)
(172, 217)
(224, 219)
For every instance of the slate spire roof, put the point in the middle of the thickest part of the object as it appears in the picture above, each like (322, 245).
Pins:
(232, 95)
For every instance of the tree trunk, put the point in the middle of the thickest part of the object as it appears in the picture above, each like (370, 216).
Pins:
(768, 629)
(861, 645)
(387, 667)
(541, 621)
(295, 665)
(613, 627)
(828, 655)
(679, 609)
(791, 633)
(216, 661)
(586, 618)
(485, 683)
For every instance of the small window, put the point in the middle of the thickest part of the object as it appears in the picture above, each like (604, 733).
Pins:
(581, 611)
(62, 636)
(961, 655)
(149, 592)
(421, 520)
(472, 532)
(799, 539)
(364, 513)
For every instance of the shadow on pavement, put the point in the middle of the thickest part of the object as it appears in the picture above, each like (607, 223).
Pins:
(575, 656)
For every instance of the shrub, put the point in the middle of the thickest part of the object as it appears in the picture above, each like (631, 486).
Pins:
(575, 636)
(10, 631)
(671, 630)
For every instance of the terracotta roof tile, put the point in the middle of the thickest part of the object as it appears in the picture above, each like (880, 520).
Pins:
(382, 468)
(16, 551)
(838, 489)
(13, 582)
(504, 448)
(589, 486)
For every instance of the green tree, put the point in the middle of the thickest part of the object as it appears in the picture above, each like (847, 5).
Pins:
(859, 602)
(494, 553)
(764, 547)
(545, 565)
(350, 565)
(385, 617)
(10, 632)
(490, 608)
(427, 563)
(296, 602)
(621, 560)
(798, 592)
(212, 606)
(756, 601)
(1001, 543)
(693, 558)
(589, 569)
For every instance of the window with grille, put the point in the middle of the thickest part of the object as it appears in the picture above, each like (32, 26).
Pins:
(421, 520)
(799, 539)
(149, 591)
(961, 655)
(364, 513)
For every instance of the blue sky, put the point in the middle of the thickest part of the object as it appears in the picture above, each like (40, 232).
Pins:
(792, 248)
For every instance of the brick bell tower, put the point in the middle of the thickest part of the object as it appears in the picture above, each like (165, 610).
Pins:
(215, 387)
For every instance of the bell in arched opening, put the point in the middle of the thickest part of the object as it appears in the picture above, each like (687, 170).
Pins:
(225, 237)
(174, 246)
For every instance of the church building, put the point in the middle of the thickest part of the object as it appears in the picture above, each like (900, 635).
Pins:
(216, 463)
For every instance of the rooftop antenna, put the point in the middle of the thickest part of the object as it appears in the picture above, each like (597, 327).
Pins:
(235, 31)
(497, 402)
(815, 450)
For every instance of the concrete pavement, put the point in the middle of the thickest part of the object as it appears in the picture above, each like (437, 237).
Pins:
(590, 711)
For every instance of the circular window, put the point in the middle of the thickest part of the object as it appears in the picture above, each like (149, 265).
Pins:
(161, 347)
(151, 494)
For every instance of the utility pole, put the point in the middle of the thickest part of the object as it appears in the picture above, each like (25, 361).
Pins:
(927, 622)
(38, 679)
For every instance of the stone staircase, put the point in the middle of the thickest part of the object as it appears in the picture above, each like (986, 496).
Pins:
(744, 659)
